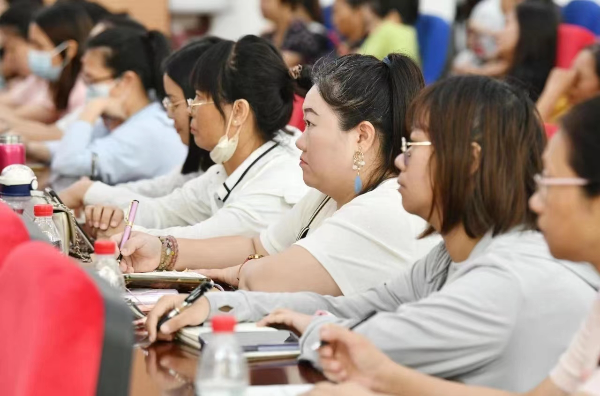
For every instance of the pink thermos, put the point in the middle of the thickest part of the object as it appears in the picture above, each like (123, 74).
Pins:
(12, 151)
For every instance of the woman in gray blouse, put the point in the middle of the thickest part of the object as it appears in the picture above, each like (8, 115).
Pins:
(484, 307)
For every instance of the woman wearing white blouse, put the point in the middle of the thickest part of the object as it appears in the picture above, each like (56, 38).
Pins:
(350, 232)
(243, 101)
(176, 79)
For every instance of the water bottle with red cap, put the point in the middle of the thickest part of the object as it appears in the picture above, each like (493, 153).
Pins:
(223, 370)
(43, 219)
(106, 264)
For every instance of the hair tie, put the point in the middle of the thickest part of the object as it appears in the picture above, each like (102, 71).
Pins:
(295, 72)
(387, 61)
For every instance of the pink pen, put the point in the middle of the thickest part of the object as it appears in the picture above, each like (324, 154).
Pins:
(128, 225)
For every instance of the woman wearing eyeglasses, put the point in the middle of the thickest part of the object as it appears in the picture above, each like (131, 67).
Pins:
(176, 79)
(488, 304)
(349, 232)
(241, 102)
(568, 206)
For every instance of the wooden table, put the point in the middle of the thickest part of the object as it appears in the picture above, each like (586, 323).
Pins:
(170, 368)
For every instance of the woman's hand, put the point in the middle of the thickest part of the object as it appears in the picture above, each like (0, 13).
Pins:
(294, 321)
(225, 275)
(347, 389)
(141, 252)
(107, 220)
(73, 196)
(195, 315)
(351, 357)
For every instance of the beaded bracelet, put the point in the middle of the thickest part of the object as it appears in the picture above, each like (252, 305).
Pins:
(169, 253)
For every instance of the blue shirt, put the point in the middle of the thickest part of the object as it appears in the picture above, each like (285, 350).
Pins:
(146, 145)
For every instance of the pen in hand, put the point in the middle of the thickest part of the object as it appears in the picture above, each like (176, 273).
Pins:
(317, 345)
(192, 298)
(128, 225)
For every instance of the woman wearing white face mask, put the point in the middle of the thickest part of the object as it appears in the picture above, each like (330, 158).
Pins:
(122, 68)
(243, 101)
(56, 38)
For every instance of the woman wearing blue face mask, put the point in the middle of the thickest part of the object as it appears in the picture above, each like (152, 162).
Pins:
(122, 70)
(56, 38)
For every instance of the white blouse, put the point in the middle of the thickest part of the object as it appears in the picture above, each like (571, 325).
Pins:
(122, 194)
(266, 185)
(364, 243)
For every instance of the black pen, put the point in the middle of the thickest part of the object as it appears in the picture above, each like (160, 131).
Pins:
(320, 344)
(194, 295)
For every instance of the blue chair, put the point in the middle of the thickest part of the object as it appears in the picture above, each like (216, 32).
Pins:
(327, 15)
(584, 13)
(434, 35)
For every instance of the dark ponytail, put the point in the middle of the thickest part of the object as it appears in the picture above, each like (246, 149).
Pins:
(136, 51)
(158, 50)
(63, 22)
(361, 88)
(250, 69)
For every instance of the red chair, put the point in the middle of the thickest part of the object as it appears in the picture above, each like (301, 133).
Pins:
(297, 119)
(58, 330)
(571, 40)
(551, 129)
(12, 231)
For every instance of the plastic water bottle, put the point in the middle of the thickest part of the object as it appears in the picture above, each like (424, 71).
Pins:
(43, 219)
(223, 370)
(106, 264)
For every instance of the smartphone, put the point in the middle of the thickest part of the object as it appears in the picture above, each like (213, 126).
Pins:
(80, 231)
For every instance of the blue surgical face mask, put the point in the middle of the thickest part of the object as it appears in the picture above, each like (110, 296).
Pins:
(98, 90)
(40, 63)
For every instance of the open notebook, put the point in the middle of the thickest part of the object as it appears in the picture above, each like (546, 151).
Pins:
(259, 343)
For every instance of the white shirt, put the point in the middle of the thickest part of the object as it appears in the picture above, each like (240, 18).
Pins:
(122, 194)
(267, 184)
(364, 243)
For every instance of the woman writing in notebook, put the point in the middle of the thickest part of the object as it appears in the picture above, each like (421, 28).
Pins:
(350, 232)
(177, 69)
(568, 204)
(470, 310)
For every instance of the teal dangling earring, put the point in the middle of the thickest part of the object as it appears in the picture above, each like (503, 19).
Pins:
(359, 162)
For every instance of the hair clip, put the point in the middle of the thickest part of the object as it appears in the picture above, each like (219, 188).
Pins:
(387, 61)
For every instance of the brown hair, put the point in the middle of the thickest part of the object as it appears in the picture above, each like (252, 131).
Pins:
(504, 122)
(580, 126)
(62, 22)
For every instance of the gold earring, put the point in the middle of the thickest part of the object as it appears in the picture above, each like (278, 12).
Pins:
(359, 163)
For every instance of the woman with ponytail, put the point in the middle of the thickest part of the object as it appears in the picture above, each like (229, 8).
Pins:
(350, 232)
(122, 69)
(177, 69)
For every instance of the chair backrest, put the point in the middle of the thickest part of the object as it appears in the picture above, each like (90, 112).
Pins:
(12, 231)
(571, 40)
(54, 328)
(434, 35)
(297, 119)
(584, 13)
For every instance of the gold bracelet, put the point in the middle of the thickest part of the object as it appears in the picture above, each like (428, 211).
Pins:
(251, 257)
